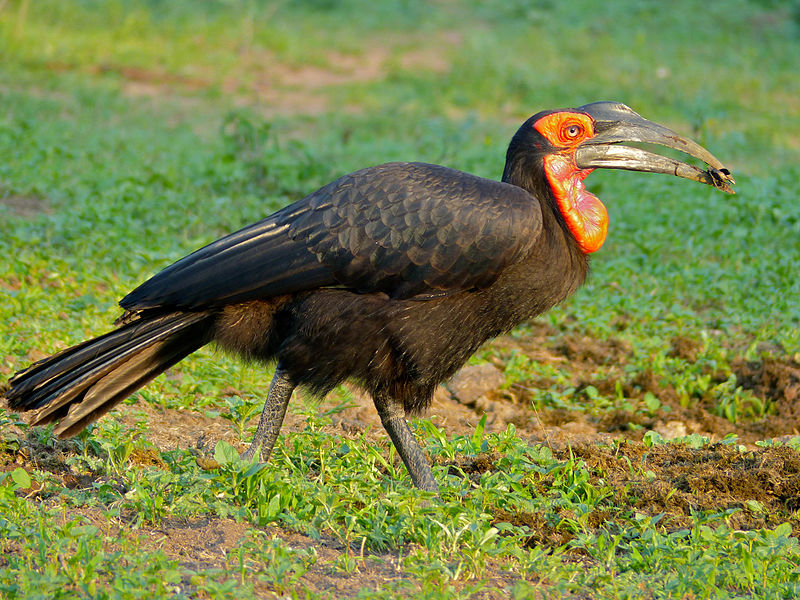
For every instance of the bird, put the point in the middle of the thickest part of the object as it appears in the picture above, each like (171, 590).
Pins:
(389, 277)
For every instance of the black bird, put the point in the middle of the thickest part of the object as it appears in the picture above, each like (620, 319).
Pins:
(391, 277)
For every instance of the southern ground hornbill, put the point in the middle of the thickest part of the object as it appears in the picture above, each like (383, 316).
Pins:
(391, 277)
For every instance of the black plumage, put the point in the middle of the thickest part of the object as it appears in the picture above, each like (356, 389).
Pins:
(405, 229)
(341, 284)
(391, 277)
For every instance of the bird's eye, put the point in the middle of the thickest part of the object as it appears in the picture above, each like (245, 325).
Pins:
(572, 131)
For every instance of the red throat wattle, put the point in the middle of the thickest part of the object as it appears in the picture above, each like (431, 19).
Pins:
(586, 217)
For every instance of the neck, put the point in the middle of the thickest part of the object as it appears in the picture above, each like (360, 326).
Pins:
(559, 253)
(518, 172)
(557, 183)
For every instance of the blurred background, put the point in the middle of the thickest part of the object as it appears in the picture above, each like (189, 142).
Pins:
(726, 71)
(133, 132)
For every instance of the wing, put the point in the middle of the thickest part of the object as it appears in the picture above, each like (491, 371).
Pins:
(405, 229)
(259, 261)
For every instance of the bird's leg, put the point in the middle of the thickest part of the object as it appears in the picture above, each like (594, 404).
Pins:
(393, 419)
(280, 391)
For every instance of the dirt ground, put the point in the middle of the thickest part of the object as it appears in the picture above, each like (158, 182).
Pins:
(670, 480)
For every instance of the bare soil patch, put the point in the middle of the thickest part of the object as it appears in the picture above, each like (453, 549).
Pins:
(763, 484)
(775, 380)
(757, 489)
(24, 205)
(271, 84)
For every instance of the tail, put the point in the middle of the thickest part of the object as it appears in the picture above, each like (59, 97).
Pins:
(82, 383)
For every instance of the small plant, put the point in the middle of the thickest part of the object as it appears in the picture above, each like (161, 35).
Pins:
(737, 404)
(276, 564)
(240, 411)
(116, 442)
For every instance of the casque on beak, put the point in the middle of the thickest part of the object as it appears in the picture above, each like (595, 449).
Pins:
(615, 123)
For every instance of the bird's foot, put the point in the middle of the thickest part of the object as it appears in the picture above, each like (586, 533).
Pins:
(251, 452)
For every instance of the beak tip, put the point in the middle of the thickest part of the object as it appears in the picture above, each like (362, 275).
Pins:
(721, 179)
(728, 176)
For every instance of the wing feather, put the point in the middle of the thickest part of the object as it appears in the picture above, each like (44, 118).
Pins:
(404, 229)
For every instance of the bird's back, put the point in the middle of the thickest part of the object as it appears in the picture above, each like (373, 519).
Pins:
(403, 229)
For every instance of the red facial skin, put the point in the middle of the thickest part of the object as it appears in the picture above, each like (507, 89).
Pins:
(586, 217)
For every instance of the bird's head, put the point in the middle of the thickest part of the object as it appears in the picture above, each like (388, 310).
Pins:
(557, 149)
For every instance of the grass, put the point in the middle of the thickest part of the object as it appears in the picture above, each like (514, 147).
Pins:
(134, 132)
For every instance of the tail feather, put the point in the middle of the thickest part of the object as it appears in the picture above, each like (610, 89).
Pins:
(89, 364)
(77, 359)
(82, 383)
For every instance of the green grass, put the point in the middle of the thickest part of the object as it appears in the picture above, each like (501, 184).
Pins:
(143, 130)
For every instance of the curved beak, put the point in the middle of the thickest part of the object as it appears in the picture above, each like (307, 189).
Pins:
(615, 123)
